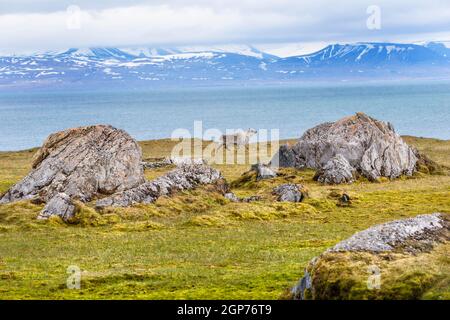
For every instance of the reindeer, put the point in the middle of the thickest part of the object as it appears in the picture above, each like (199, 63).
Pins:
(239, 139)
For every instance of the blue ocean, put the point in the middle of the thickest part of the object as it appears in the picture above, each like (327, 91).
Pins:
(414, 108)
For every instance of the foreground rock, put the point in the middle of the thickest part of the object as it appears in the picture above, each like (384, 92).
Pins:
(60, 205)
(397, 259)
(337, 170)
(371, 147)
(82, 163)
(288, 193)
(184, 177)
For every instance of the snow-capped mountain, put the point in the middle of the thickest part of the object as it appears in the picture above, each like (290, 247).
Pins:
(133, 66)
(369, 54)
(440, 48)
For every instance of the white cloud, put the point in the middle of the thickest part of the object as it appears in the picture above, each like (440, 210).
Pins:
(27, 25)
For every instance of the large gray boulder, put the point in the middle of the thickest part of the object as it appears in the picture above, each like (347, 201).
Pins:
(370, 146)
(82, 163)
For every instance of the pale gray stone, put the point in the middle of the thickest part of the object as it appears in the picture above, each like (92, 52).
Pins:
(60, 205)
(172, 161)
(232, 197)
(82, 163)
(288, 193)
(184, 177)
(370, 146)
(386, 236)
(264, 171)
(337, 170)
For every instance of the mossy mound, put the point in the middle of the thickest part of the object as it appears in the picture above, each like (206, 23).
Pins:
(416, 267)
(385, 276)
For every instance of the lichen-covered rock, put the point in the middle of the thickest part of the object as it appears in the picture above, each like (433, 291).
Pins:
(288, 193)
(172, 161)
(263, 171)
(337, 170)
(233, 198)
(82, 163)
(387, 236)
(60, 205)
(184, 177)
(395, 252)
(370, 146)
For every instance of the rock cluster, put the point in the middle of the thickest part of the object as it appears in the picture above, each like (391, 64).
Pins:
(99, 162)
(182, 178)
(233, 198)
(370, 147)
(170, 161)
(288, 192)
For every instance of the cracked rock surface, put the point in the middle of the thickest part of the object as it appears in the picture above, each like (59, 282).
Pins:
(288, 193)
(386, 236)
(370, 146)
(234, 198)
(264, 171)
(60, 205)
(337, 170)
(82, 163)
(184, 177)
(169, 161)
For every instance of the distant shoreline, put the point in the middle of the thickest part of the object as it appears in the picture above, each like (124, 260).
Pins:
(281, 141)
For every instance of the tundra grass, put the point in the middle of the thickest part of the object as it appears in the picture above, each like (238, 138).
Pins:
(197, 244)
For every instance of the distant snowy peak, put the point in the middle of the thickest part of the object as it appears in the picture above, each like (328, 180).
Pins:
(244, 50)
(150, 52)
(441, 48)
(371, 53)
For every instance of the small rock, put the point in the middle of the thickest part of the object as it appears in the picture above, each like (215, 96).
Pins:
(251, 199)
(60, 205)
(345, 198)
(263, 171)
(288, 193)
(337, 170)
(232, 197)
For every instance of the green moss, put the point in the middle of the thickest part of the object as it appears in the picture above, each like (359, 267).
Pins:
(138, 226)
(401, 276)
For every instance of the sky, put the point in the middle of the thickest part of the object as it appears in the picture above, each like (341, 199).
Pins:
(277, 26)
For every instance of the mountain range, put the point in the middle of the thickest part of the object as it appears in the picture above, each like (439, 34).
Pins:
(141, 66)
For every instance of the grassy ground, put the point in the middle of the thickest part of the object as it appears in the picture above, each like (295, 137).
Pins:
(198, 244)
